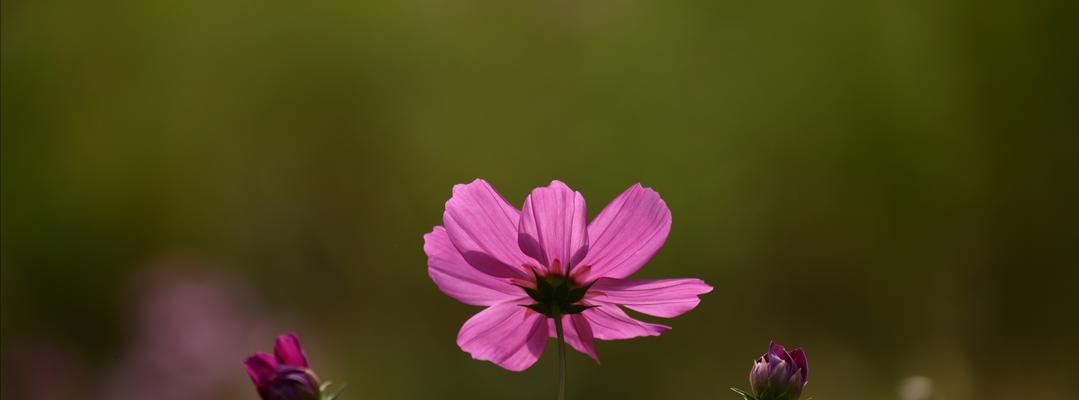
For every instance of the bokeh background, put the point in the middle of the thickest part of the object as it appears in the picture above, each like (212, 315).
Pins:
(889, 184)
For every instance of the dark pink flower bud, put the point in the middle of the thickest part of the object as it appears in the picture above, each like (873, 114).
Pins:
(284, 375)
(779, 374)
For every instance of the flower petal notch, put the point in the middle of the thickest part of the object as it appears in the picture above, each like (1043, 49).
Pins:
(543, 271)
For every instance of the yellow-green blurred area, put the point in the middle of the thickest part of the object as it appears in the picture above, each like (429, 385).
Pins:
(889, 184)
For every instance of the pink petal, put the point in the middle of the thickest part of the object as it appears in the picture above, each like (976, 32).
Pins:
(776, 349)
(459, 279)
(483, 227)
(658, 297)
(609, 322)
(799, 357)
(553, 227)
(288, 351)
(578, 333)
(509, 335)
(260, 367)
(627, 233)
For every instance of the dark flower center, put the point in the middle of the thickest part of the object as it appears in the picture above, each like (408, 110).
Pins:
(557, 295)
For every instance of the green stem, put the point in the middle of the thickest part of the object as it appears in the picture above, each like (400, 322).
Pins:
(561, 357)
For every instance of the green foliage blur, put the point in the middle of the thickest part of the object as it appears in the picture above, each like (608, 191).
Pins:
(890, 185)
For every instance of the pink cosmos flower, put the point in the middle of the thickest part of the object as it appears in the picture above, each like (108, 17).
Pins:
(188, 323)
(285, 375)
(541, 262)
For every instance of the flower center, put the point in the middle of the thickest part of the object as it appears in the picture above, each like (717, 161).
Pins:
(556, 295)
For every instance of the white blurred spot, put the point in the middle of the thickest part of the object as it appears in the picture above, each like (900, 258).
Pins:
(916, 388)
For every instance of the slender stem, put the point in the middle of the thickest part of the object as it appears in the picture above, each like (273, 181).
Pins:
(561, 357)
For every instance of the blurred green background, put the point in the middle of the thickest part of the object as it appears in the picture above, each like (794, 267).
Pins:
(889, 184)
